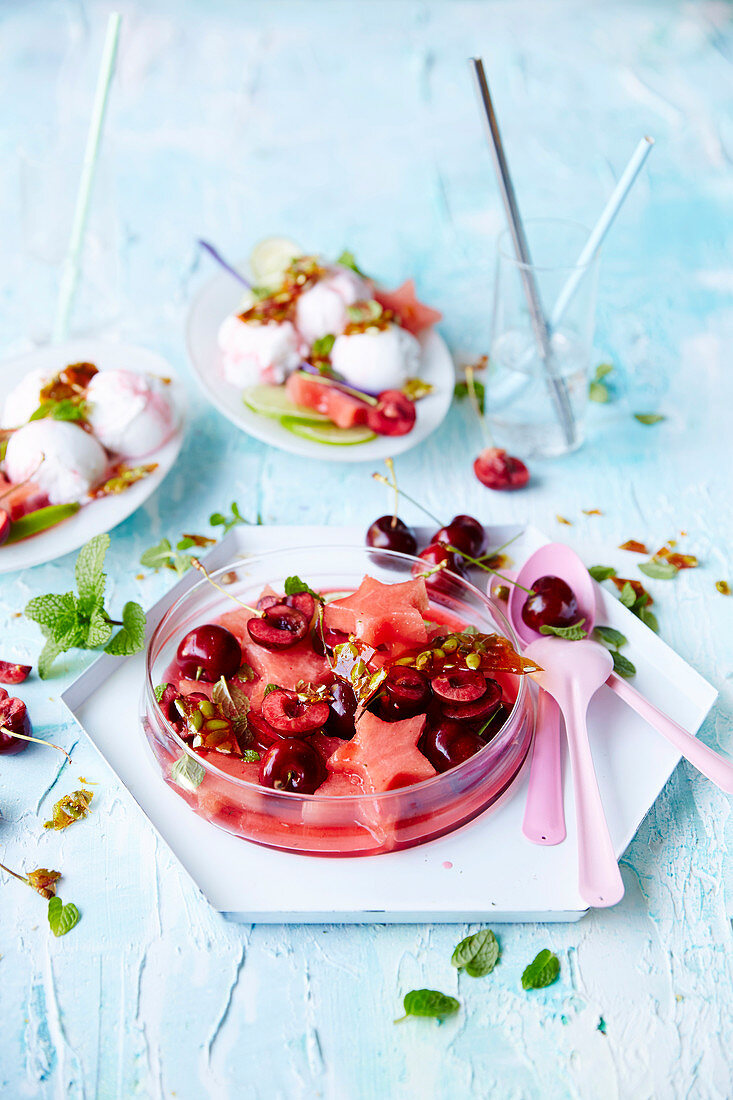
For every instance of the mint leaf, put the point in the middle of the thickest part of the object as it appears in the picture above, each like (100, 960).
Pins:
(623, 665)
(542, 971)
(159, 692)
(268, 689)
(649, 418)
(628, 596)
(48, 655)
(188, 773)
(233, 704)
(250, 756)
(659, 570)
(648, 618)
(477, 954)
(429, 1002)
(98, 630)
(347, 259)
(461, 390)
(612, 639)
(163, 556)
(602, 572)
(62, 918)
(294, 585)
(89, 571)
(602, 370)
(131, 636)
(599, 393)
(572, 633)
(66, 409)
(218, 519)
(323, 346)
(49, 610)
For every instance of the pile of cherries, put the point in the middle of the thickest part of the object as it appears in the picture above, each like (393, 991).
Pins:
(13, 712)
(465, 533)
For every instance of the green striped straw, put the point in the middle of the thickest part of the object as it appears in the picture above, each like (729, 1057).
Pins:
(70, 272)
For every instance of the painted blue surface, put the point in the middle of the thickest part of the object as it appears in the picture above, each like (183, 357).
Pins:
(354, 124)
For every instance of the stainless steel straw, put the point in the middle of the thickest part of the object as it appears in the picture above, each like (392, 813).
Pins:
(556, 385)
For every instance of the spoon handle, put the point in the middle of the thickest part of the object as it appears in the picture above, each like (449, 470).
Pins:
(713, 766)
(544, 813)
(599, 878)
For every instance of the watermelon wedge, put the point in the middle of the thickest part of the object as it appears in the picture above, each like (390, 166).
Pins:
(310, 392)
(383, 613)
(412, 314)
(384, 755)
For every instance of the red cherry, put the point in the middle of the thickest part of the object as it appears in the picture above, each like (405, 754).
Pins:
(167, 704)
(390, 533)
(5, 526)
(497, 470)
(553, 604)
(393, 415)
(292, 765)
(403, 694)
(13, 674)
(461, 685)
(263, 734)
(280, 627)
(476, 710)
(433, 555)
(14, 717)
(463, 532)
(341, 710)
(209, 652)
(286, 713)
(449, 744)
(301, 601)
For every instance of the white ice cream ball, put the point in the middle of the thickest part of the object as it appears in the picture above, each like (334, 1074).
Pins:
(24, 399)
(378, 359)
(131, 414)
(255, 352)
(322, 309)
(71, 460)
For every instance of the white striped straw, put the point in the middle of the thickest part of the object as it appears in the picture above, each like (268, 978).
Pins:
(70, 272)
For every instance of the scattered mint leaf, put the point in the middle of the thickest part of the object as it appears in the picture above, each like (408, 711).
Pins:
(187, 773)
(599, 393)
(250, 756)
(648, 618)
(571, 633)
(294, 585)
(659, 570)
(89, 572)
(628, 596)
(623, 665)
(65, 409)
(461, 390)
(542, 971)
(602, 370)
(131, 636)
(602, 572)
(649, 418)
(612, 639)
(218, 519)
(323, 346)
(429, 1002)
(62, 918)
(233, 704)
(163, 556)
(159, 692)
(347, 259)
(477, 954)
(268, 689)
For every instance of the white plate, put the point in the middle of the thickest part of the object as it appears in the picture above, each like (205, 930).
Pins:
(220, 297)
(98, 515)
(484, 870)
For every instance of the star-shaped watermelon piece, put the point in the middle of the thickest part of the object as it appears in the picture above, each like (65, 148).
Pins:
(384, 755)
(382, 613)
(413, 315)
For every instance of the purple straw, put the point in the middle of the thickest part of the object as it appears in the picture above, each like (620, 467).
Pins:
(223, 263)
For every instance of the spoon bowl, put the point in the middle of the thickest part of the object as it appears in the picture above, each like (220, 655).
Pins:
(552, 560)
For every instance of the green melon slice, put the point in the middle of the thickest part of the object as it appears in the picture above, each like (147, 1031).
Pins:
(273, 401)
(327, 433)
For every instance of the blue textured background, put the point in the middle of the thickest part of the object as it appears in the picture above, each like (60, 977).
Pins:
(355, 124)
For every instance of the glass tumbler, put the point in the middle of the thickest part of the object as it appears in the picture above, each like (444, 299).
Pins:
(523, 385)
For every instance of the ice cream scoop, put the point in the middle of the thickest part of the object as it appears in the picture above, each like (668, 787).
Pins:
(254, 352)
(131, 414)
(63, 460)
(24, 399)
(322, 310)
(376, 360)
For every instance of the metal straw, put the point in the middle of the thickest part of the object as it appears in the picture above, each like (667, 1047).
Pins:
(556, 386)
(70, 273)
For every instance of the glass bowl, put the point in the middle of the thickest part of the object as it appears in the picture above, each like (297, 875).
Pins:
(327, 825)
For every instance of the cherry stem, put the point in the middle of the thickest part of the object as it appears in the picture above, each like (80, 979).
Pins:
(35, 740)
(202, 569)
(389, 463)
(383, 481)
(492, 553)
(488, 569)
(20, 878)
(31, 475)
(473, 398)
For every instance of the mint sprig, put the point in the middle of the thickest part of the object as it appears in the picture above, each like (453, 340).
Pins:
(347, 259)
(609, 637)
(163, 556)
(218, 519)
(477, 954)
(658, 570)
(542, 971)
(80, 620)
(294, 586)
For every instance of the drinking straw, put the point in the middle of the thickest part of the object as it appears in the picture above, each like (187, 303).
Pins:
(216, 255)
(70, 272)
(602, 226)
(556, 386)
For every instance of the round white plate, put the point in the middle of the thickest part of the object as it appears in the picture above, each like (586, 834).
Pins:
(219, 297)
(98, 515)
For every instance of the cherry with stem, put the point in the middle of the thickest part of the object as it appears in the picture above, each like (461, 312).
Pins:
(35, 740)
(487, 569)
(493, 467)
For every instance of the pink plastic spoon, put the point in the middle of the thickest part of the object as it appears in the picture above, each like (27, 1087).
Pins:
(572, 672)
(560, 561)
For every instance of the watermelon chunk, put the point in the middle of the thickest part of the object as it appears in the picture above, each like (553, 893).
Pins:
(345, 410)
(382, 613)
(384, 755)
(413, 315)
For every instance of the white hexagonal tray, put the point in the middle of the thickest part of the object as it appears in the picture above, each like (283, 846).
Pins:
(486, 869)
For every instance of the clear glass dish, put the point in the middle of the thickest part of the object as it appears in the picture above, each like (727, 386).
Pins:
(328, 825)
